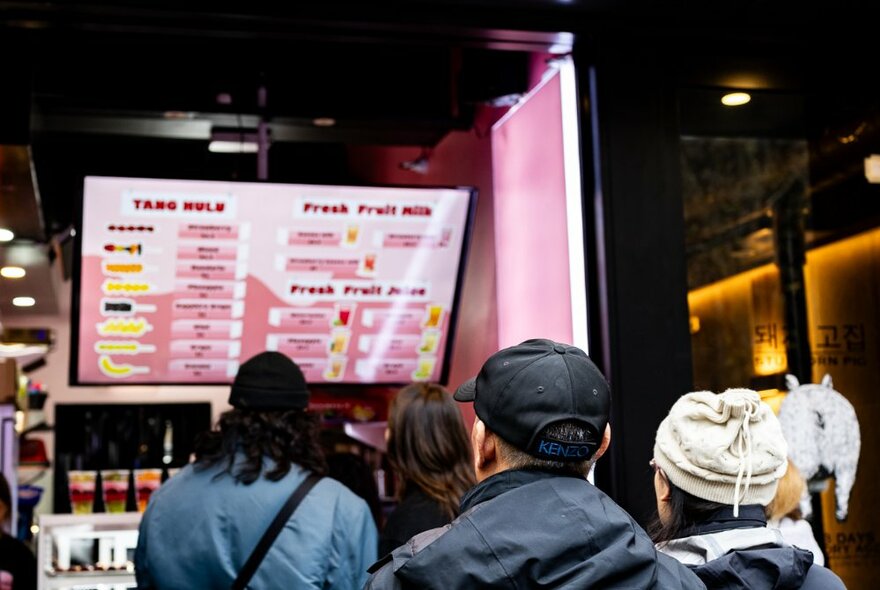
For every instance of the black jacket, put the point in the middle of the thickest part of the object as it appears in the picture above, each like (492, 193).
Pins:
(533, 529)
(415, 513)
(730, 553)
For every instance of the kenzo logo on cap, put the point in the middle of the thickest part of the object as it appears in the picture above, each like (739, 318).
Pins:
(559, 450)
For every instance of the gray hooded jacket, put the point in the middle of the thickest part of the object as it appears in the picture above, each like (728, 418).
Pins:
(754, 558)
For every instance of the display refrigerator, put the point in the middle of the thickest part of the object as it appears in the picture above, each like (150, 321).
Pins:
(87, 551)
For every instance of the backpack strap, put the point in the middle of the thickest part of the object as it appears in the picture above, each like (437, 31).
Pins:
(259, 552)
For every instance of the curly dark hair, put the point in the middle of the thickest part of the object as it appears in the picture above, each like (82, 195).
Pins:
(285, 437)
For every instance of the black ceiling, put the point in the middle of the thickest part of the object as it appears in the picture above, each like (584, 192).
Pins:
(107, 102)
(108, 72)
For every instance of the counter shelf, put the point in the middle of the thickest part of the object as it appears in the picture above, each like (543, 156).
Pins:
(80, 551)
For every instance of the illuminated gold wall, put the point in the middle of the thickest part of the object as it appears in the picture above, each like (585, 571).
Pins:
(738, 334)
(843, 295)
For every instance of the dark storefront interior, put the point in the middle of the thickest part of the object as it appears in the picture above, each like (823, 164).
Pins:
(682, 197)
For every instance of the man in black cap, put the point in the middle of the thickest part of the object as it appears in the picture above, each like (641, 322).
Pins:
(533, 520)
(219, 523)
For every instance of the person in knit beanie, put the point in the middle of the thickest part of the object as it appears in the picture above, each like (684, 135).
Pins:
(718, 459)
(726, 448)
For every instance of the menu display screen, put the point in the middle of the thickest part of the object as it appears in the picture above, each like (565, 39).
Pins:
(182, 281)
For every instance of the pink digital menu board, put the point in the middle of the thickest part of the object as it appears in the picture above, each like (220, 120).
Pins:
(181, 281)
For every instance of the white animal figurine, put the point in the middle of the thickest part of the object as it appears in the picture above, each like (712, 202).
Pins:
(823, 437)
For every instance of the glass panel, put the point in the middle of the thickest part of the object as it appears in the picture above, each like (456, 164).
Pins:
(782, 212)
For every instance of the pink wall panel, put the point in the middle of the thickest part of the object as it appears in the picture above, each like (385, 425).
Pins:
(532, 269)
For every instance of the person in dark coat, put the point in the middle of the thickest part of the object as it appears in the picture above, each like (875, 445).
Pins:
(718, 459)
(534, 520)
(428, 448)
(18, 567)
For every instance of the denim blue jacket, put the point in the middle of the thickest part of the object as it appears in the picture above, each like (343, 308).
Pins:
(198, 532)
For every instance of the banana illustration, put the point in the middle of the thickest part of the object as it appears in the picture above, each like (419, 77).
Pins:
(119, 371)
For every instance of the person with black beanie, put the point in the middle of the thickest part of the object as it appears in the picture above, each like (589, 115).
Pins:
(207, 527)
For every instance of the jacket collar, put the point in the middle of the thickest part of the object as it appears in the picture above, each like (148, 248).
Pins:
(505, 481)
(706, 547)
(750, 516)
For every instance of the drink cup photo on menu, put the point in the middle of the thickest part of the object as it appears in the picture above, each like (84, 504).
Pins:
(429, 341)
(367, 266)
(350, 237)
(424, 369)
(339, 341)
(335, 369)
(433, 315)
(342, 315)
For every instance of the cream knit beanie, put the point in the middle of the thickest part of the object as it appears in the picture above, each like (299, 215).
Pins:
(726, 448)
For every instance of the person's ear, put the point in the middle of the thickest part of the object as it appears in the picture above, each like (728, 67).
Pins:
(485, 451)
(606, 440)
(664, 492)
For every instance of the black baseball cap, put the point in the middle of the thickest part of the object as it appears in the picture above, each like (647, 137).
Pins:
(269, 381)
(523, 389)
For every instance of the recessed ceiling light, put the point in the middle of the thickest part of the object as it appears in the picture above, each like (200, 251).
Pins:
(735, 99)
(324, 122)
(12, 272)
(6, 235)
(24, 301)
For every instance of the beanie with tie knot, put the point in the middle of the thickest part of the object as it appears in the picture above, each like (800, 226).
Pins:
(726, 448)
